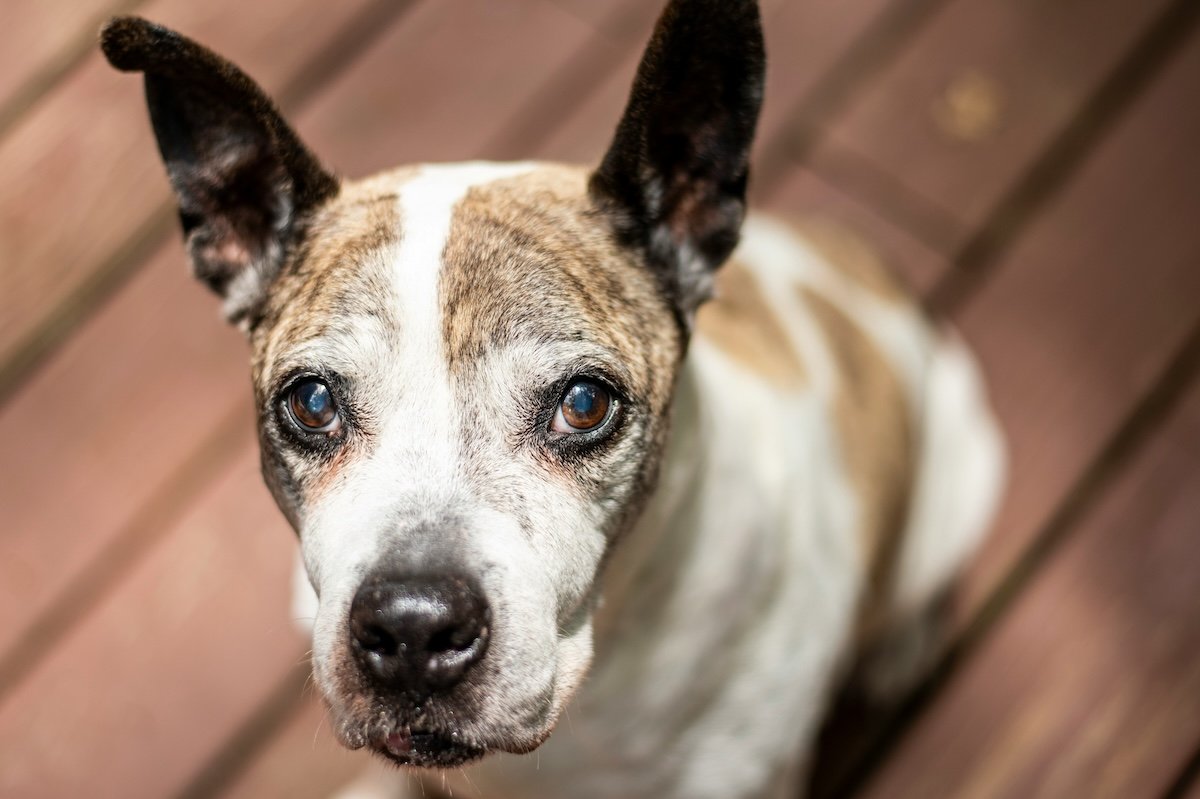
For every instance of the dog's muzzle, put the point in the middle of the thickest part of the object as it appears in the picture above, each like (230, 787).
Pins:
(414, 639)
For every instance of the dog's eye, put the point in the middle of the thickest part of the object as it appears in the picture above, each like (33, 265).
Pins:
(584, 406)
(312, 407)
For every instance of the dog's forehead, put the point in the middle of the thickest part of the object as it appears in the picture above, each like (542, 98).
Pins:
(340, 280)
(492, 255)
(528, 259)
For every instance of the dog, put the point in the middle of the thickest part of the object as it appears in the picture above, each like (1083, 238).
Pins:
(535, 423)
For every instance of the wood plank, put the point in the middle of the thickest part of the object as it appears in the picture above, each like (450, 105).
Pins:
(1088, 307)
(803, 41)
(623, 22)
(978, 94)
(431, 104)
(804, 197)
(1091, 686)
(1079, 321)
(303, 761)
(40, 39)
(105, 428)
(168, 664)
(81, 174)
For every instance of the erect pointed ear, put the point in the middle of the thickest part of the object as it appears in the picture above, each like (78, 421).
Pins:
(244, 181)
(674, 179)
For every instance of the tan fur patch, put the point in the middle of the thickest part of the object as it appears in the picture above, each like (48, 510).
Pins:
(328, 278)
(854, 257)
(527, 257)
(336, 276)
(530, 261)
(872, 415)
(740, 322)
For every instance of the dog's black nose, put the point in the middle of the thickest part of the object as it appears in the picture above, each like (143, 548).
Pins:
(419, 634)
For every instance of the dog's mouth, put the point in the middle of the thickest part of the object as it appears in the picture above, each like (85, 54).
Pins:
(404, 736)
(409, 747)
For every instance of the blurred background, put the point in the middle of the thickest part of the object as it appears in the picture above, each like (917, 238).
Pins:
(1031, 167)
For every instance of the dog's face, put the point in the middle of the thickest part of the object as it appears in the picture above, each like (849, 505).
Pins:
(463, 381)
(463, 372)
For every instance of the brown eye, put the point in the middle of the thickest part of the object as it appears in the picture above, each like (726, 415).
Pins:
(585, 406)
(312, 407)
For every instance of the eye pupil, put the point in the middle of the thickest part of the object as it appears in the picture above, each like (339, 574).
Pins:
(312, 405)
(585, 405)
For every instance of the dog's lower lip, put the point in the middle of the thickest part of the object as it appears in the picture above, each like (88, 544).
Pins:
(421, 748)
(399, 743)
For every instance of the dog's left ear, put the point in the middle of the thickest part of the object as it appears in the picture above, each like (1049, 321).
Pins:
(673, 182)
(244, 181)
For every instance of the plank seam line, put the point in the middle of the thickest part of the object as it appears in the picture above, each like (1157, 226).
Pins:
(567, 89)
(55, 69)
(1187, 778)
(868, 54)
(153, 520)
(45, 338)
(979, 256)
(262, 724)
(914, 212)
(1149, 414)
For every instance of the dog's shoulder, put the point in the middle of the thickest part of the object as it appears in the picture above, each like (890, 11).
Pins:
(812, 310)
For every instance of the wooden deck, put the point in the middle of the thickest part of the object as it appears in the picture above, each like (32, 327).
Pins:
(1031, 166)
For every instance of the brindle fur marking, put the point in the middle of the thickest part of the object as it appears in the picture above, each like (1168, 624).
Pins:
(530, 264)
(853, 256)
(743, 324)
(337, 283)
(874, 421)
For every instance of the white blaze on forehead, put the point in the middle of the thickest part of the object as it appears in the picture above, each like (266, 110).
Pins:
(427, 204)
(416, 450)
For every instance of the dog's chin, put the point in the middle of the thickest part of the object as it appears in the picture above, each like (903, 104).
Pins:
(423, 743)
(424, 749)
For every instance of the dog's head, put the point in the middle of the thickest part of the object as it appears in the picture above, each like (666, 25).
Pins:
(463, 372)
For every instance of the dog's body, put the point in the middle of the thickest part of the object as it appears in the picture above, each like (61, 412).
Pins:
(466, 375)
(832, 463)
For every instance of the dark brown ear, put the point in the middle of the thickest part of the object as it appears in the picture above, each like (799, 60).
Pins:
(242, 177)
(674, 179)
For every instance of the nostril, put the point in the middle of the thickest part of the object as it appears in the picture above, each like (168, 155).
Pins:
(456, 638)
(377, 640)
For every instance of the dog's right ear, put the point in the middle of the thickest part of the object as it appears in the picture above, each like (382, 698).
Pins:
(244, 181)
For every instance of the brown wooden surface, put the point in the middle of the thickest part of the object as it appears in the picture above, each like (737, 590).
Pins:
(1088, 307)
(303, 759)
(52, 34)
(977, 95)
(145, 644)
(166, 665)
(1091, 686)
(107, 437)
